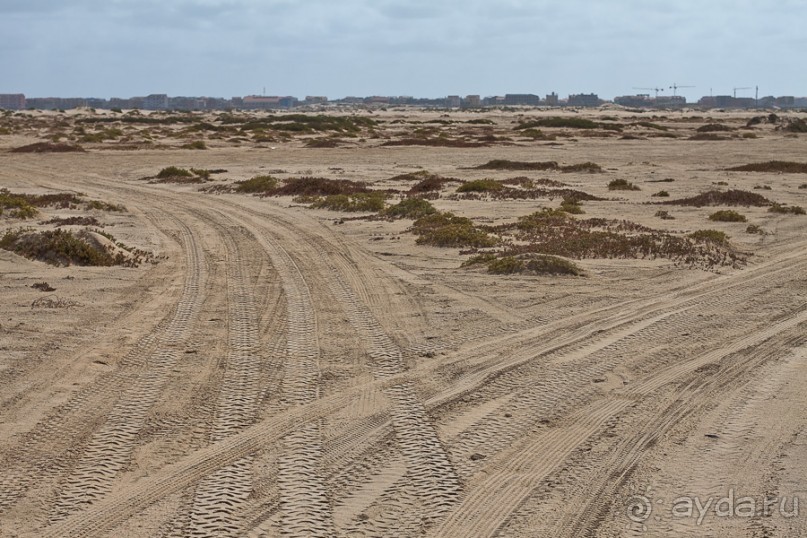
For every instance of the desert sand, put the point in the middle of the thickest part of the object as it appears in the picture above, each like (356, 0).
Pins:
(271, 369)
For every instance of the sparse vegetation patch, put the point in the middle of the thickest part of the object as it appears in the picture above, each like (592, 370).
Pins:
(727, 215)
(449, 230)
(73, 221)
(481, 185)
(317, 186)
(710, 236)
(47, 147)
(410, 208)
(554, 232)
(733, 197)
(786, 210)
(174, 174)
(784, 167)
(558, 122)
(622, 185)
(504, 164)
(257, 184)
(60, 247)
(361, 201)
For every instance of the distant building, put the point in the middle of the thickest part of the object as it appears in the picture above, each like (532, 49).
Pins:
(12, 101)
(264, 102)
(453, 101)
(521, 99)
(584, 99)
(315, 100)
(117, 102)
(785, 101)
(708, 101)
(552, 99)
(728, 101)
(96, 102)
(155, 101)
(644, 100)
(42, 103)
(639, 101)
(472, 101)
(185, 103)
(55, 103)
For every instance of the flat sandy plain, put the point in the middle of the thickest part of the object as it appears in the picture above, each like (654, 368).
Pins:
(280, 370)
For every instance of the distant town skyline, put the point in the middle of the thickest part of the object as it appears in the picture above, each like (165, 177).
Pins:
(164, 102)
(435, 48)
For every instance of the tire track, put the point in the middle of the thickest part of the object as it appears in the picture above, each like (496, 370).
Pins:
(304, 504)
(517, 472)
(59, 431)
(246, 441)
(435, 483)
(109, 449)
(220, 495)
(193, 468)
(695, 395)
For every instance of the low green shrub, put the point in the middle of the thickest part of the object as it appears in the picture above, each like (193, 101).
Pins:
(571, 206)
(317, 186)
(256, 184)
(196, 144)
(361, 201)
(449, 230)
(732, 197)
(410, 208)
(551, 265)
(786, 210)
(710, 236)
(784, 167)
(622, 185)
(556, 121)
(106, 206)
(506, 266)
(173, 171)
(727, 216)
(57, 247)
(480, 185)
(16, 206)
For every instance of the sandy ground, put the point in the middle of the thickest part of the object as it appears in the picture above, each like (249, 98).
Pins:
(276, 371)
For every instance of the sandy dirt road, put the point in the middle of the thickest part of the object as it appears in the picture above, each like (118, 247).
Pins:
(276, 374)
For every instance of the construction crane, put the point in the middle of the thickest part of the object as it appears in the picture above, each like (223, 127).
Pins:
(651, 89)
(675, 87)
(735, 90)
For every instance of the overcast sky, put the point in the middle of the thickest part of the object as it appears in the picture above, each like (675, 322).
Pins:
(427, 48)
